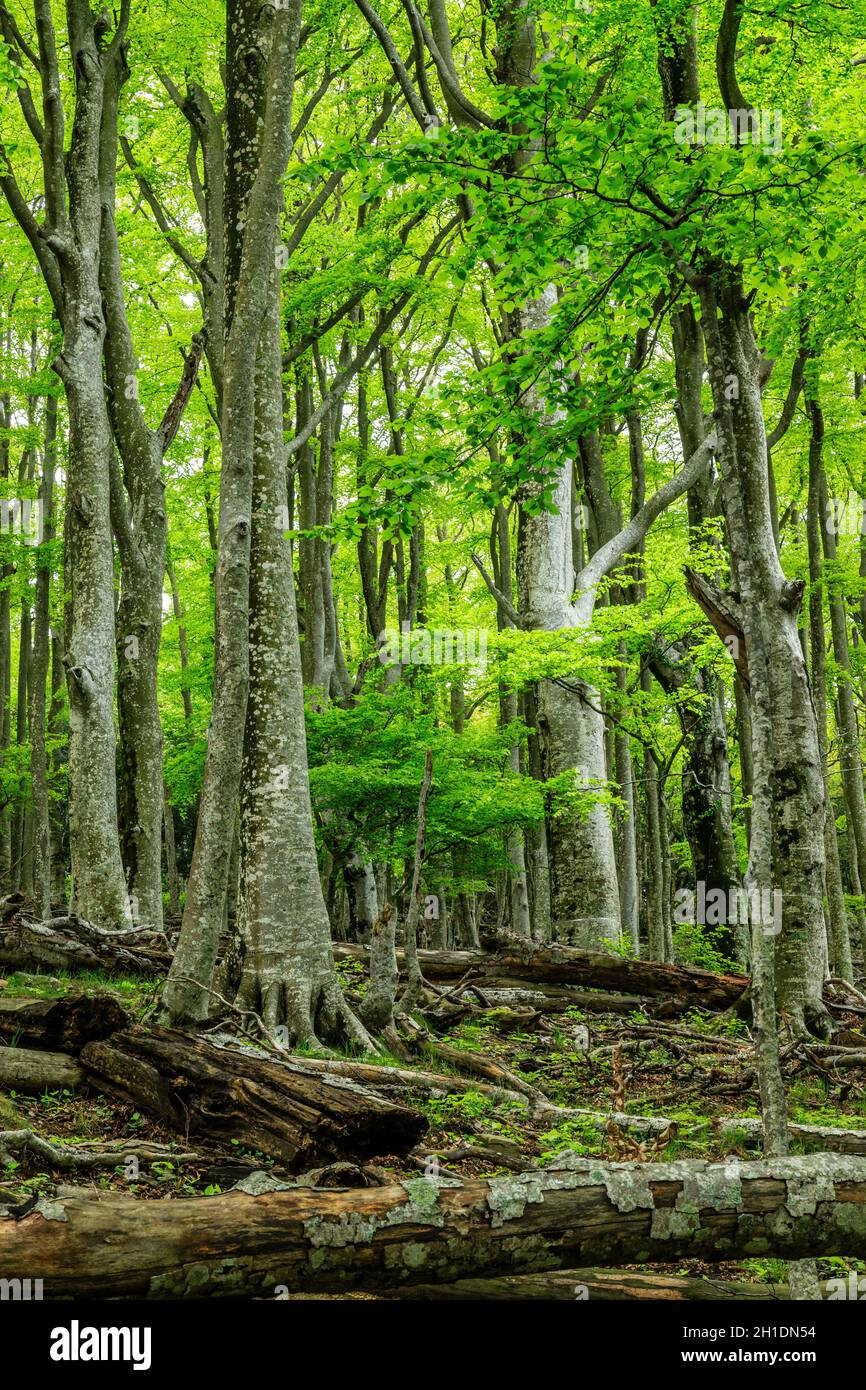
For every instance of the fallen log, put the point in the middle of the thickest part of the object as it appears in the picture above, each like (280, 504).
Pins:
(575, 1214)
(608, 1285)
(228, 1091)
(61, 1025)
(744, 1128)
(34, 1072)
(555, 999)
(387, 1079)
(820, 1137)
(70, 943)
(566, 965)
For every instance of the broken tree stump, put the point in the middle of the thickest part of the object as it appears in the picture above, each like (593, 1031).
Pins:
(232, 1092)
(576, 1213)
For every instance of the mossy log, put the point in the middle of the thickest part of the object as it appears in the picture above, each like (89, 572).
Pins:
(22, 1069)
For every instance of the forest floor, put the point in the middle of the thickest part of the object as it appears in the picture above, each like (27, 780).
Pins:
(697, 1072)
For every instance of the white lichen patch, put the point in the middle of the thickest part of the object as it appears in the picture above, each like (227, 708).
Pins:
(670, 1224)
(717, 1186)
(804, 1194)
(508, 1197)
(349, 1228)
(254, 1184)
(51, 1211)
(421, 1209)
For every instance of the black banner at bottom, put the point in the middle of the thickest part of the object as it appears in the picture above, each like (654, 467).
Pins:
(223, 1338)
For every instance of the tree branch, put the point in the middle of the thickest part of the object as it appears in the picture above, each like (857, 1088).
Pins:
(506, 607)
(634, 531)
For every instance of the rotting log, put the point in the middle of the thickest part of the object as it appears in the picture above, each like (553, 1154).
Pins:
(567, 965)
(60, 1025)
(574, 1214)
(22, 1069)
(70, 943)
(198, 1085)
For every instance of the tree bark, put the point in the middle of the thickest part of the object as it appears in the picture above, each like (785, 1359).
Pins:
(34, 1072)
(288, 969)
(598, 1285)
(41, 655)
(231, 1092)
(421, 1231)
(256, 157)
(61, 1025)
(761, 622)
(99, 890)
(839, 941)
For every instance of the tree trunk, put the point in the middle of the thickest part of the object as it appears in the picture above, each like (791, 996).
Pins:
(627, 822)
(839, 942)
(584, 889)
(256, 157)
(762, 623)
(377, 1007)
(99, 890)
(288, 970)
(41, 655)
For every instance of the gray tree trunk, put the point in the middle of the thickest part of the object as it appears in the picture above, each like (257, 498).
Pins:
(257, 154)
(41, 656)
(288, 971)
(839, 942)
(99, 890)
(763, 624)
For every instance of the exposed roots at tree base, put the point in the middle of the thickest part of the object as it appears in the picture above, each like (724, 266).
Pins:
(307, 1012)
(807, 1021)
